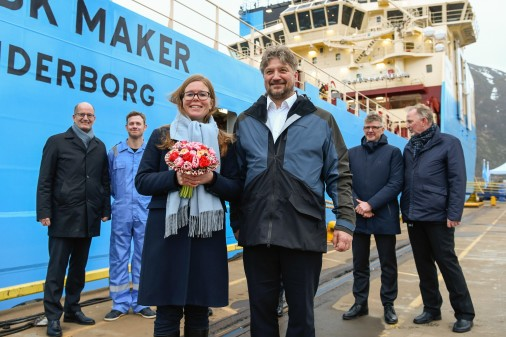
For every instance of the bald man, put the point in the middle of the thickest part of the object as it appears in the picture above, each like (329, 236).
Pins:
(73, 196)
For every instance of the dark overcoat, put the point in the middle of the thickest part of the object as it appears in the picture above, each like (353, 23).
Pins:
(434, 181)
(377, 169)
(181, 270)
(74, 187)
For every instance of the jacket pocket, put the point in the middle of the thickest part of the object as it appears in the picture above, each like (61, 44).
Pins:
(436, 189)
(305, 207)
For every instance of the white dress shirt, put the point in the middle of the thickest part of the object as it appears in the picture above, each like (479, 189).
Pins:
(276, 117)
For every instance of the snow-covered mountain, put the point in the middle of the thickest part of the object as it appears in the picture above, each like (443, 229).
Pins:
(490, 99)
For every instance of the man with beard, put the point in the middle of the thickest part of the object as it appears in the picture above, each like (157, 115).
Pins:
(129, 215)
(290, 153)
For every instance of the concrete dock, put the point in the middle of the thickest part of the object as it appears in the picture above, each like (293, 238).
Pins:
(480, 243)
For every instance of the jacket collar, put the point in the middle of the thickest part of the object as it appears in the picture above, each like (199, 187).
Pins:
(436, 139)
(373, 146)
(71, 135)
(301, 107)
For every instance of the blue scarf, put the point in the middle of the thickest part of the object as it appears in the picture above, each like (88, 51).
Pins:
(203, 212)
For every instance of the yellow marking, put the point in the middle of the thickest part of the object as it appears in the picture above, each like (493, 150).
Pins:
(229, 310)
(418, 300)
(408, 274)
(233, 283)
(31, 288)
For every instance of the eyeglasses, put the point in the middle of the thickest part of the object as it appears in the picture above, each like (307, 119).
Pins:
(201, 95)
(372, 128)
(82, 115)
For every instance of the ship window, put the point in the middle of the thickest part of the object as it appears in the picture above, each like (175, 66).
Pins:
(428, 68)
(314, 60)
(318, 17)
(332, 14)
(454, 11)
(358, 17)
(395, 17)
(279, 37)
(291, 23)
(338, 56)
(304, 20)
(409, 46)
(401, 101)
(345, 20)
(258, 47)
(244, 48)
(436, 14)
(266, 41)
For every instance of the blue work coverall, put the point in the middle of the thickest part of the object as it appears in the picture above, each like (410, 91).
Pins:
(129, 215)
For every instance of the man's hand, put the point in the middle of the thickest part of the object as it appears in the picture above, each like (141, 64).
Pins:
(342, 241)
(452, 223)
(45, 222)
(363, 207)
(105, 218)
(236, 234)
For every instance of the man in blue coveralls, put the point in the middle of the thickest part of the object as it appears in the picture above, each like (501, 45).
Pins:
(129, 215)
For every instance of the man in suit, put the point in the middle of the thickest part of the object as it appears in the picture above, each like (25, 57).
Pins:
(73, 196)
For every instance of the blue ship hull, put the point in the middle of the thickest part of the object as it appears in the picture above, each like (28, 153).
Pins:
(96, 51)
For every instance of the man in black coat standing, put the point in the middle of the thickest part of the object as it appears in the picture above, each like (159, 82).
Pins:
(73, 195)
(432, 204)
(377, 170)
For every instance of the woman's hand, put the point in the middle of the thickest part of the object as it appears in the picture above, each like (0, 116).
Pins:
(194, 181)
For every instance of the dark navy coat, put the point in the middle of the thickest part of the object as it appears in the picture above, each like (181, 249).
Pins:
(377, 170)
(434, 181)
(180, 270)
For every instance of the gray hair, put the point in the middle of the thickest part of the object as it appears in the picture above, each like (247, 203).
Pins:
(423, 111)
(283, 53)
(374, 117)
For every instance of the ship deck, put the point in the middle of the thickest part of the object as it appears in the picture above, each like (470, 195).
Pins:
(480, 242)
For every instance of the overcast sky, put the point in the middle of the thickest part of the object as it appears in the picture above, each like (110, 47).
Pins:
(490, 50)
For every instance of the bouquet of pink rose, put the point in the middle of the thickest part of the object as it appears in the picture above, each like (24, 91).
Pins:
(191, 158)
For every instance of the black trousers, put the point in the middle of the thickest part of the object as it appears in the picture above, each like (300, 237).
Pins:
(361, 271)
(435, 243)
(300, 272)
(168, 318)
(63, 252)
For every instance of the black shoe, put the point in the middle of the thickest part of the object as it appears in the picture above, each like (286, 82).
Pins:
(54, 328)
(113, 315)
(78, 317)
(390, 315)
(426, 317)
(355, 311)
(462, 325)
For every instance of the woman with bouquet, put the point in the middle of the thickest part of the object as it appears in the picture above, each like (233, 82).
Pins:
(184, 261)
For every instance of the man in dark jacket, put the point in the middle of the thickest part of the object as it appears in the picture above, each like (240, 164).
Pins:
(289, 152)
(432, 204)
(377, 170)
(73, 195)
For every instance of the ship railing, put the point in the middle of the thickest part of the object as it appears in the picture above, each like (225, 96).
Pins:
(485, 190)
(223, 37)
